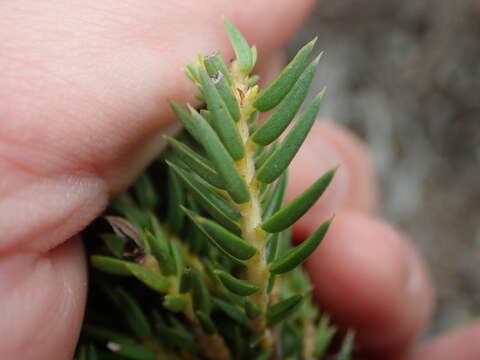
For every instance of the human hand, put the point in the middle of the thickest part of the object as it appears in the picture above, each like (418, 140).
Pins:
(82, 109)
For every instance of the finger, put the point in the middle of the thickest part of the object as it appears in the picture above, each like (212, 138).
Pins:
(42, 297)
(456, 344)
(371, 279)
(353, 187)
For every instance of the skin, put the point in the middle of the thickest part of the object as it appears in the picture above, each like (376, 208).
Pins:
(83, 105)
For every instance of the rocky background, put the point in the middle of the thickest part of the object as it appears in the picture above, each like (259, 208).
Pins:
(405, 76)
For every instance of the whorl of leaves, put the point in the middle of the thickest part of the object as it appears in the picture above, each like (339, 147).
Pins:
(199, 264)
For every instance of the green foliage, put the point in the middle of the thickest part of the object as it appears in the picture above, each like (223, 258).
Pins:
(276, 123)
(280, 159)
(299, 254)
(198, 263)
(276, 91)
(229, 243)
(283, 309)
(289, 214)
(245, 55)
(237, 286)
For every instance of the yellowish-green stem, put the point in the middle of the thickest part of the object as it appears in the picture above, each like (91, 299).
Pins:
(256, 269)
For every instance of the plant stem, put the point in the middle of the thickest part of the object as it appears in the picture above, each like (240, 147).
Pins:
(213, 346)
(256, 271)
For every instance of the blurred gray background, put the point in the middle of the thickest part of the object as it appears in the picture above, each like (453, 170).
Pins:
(405, 76)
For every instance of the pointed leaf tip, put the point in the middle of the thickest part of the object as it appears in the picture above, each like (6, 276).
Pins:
(196, 162)
(276, 123)
(208, 199)
(206, 322)
(110, 265)
(283, 309)
(240, 46)
(152, 279)
(294, 210)
(279, 88)
(222, 121)
(218, 154)
(174, 303)
(237, 286)
(281, 158)
(229, 243)
(300, 253)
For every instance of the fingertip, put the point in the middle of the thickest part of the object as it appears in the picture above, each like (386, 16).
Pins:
(370, 279)
(356, 160)
(42, 302)
(456, 344)
(331, 146)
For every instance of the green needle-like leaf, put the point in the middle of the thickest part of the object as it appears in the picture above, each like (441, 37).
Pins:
(214, 64)
(187, 121)
(272, 247)
(215, 205)
(160, 245)
(283, 309)
(241, 48)
(300, 253)
(207, 115)
(223, 162)
(228, 96)
(226, 241)
(237, 286)
(323, 336)
(177, 256)
(266, 154)
(133, 313)
(185, 281)
(198, 242)
(254, 52)
(174, 303)
(253, 122)
(222, 121)
(275, 201)
(150, 278)
(201, 298)
(346, 348)
(114, 243)
(223, 85)
(231, 310)
(110, 265)
(276, 123)
(146, 194)
(206, 322)
(175, 216)
(103, 334)
(87, 353)
(176, 338)
(276, 91)
(290, 213)
(196, 162)
(271, 283)
(281, 158)
(131, 351)
(251, 309)
(192, 72)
